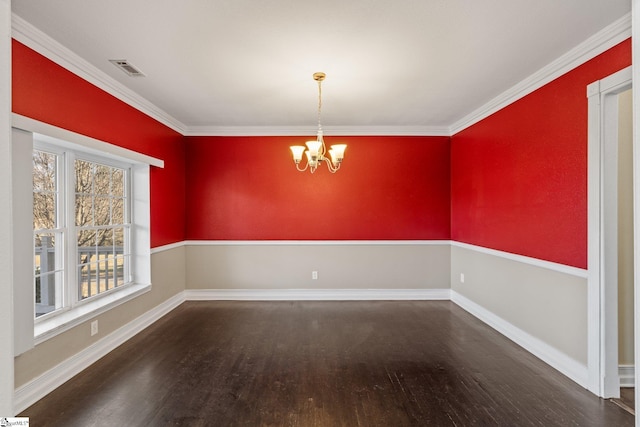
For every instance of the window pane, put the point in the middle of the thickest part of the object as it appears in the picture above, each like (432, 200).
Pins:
(119, 271)
(117, 183)
(102, 210)
(103, 276)
(102, 180)
(44, 171)
(45, 253)
(84, 177)
(117, 211)
(93, 272)
(83, 281)
(84, 210)
(86, 246)
(107, 271)
(47, 287)
(118, 240)
(105, 242)
(90, 280)
(44, 211)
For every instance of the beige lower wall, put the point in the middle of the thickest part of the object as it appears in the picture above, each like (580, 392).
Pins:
(168, 279)
(339, 266)
(549, 305)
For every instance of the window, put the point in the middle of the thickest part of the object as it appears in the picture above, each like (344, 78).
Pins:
(82, 227)
(87, 248)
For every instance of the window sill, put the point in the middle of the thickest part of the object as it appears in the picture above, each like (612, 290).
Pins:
(64, 321)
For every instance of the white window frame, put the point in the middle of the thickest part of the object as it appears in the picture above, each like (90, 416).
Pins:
(68, 292)
(91, 149)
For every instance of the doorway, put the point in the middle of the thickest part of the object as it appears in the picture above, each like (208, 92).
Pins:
(608, 327)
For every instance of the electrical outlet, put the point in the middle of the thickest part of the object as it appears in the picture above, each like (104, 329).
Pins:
(461, 277)
(94, 327)
(314, 275)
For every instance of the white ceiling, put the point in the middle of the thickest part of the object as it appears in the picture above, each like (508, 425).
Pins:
(423, 64)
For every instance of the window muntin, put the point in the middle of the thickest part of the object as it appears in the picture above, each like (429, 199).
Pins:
(84, 219)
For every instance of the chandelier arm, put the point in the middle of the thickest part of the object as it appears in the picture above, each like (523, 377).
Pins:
(303, 169)
(330, 166)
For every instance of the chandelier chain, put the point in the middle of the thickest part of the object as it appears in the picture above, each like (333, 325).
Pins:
(319, 104)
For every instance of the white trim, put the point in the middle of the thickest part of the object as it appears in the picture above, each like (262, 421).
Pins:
(44, 384)
(315, 294)
(558, 360)
(7, 321)
(627, 375)
(602, 246)
(68, 139)
(561, 268)
(182, 243)
(22, 205)
(593, 246)
(167, 247)
(329, 131)
(40, 42)
(314, 242)
(610, 36)
(635, 59)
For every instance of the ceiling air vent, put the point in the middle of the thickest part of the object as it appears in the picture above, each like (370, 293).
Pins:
(124, 65)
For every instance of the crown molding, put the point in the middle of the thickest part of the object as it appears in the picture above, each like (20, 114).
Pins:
(310, 130)
(600, 42)
(37, 40)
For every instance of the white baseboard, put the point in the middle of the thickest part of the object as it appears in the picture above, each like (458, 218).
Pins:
(44, 384)
(315, 294)
(548, 354)
(627, 375)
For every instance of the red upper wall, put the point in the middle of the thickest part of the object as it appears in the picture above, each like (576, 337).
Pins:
(49, 93)
(519, 177)
(516, 181)
(248, 188)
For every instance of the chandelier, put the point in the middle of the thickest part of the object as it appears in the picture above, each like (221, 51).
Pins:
(316, 151)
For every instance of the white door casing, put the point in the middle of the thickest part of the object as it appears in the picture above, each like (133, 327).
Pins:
(602, 356)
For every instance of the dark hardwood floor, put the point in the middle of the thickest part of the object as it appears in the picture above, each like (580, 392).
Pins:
(414, 363)
(627, 400)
